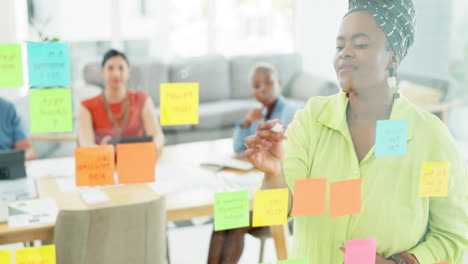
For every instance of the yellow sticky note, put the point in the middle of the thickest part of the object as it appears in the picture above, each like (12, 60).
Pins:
(5, 257)
(179, 103)
(36, 255)
(270, 207)
(434, 179)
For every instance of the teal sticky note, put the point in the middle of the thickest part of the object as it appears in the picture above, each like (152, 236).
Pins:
(293, 261)
(11, 65)
(391, 137)
(48, 64)
(50, 110)
(231, 210)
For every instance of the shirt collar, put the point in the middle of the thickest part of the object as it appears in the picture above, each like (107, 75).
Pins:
(278, 108)
(333, 114)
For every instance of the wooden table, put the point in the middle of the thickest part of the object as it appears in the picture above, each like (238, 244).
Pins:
(178, 163)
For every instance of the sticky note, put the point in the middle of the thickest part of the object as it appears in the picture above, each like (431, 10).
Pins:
(231, 210)
(434, 179)
(345, 198)
(50, 110)
(136, 162)
(36, 255)
(361, 251)
(309, 196)
(446, 262)
(293, 261)
(5, 257)
(48, 64)
(11, 65)
(95, 165)
(391, 137)
(179, 103)
(270, 207)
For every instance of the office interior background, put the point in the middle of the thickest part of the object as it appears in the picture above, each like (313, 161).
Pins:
(173, 30)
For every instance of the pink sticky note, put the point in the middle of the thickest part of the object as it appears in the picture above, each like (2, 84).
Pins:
(360, 251)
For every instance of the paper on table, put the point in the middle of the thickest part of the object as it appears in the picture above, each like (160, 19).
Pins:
(241, 181)
(309, 196)
(50, 110)
(391, 137)
(32, 212)
(136, 162)
(270, 207)
(11, 66)
(179, 103)
(94, 196)
(434, 179)
(48, 64)
(64, 167)
(360, 251)
(5, 257)
(231, 210)
(345, 198)
(228, 162)
(18, 189)
(36, 255)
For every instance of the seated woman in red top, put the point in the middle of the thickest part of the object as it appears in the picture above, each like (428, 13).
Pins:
(118, 112)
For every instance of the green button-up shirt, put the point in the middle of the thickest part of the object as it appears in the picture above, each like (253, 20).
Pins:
(319, 145)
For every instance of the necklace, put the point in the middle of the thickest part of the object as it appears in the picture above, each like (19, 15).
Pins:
(118, 123)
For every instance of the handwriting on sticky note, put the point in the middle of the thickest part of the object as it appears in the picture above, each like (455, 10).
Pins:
(345, 198)
(36, 255)
(136, 162)
(5, 256)
(51, 110)
(95, 165)
(309, 196)
(293, 261)
(48, 64)
(179, 103)
(270, 207)
(434, 179)
(11, 66)
(360, 251)
(391, 137)
(231, 210)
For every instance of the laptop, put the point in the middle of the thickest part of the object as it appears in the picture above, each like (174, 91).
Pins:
(12, 165)
(116, 141)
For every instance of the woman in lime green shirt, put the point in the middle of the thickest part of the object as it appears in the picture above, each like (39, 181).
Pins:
(333, 138)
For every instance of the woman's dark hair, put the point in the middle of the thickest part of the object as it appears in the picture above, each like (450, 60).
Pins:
(113, 53)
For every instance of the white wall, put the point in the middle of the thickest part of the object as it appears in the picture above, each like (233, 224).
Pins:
(14, 28)
(316, 26)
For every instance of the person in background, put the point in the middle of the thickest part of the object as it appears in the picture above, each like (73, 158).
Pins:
(12, 133)
(334, 138)
(266, 89)
(226, 246)
(118, 112)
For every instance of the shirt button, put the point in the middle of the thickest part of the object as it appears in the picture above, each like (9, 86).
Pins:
(356, 172)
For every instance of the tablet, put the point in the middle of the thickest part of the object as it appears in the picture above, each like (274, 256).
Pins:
(116, 141)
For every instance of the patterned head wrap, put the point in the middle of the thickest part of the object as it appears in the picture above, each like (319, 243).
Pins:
(397, 19)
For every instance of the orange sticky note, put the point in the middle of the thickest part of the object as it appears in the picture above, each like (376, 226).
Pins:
(345, 198)
(36, 255)
(446, 262)
(434, 179)
(270, 207)
(5, 256)
(136, 162)
(179, 103)
(95, 165)
(309, 196)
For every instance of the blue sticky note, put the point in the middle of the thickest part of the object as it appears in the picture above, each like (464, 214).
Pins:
(49, 64)
(391, 137)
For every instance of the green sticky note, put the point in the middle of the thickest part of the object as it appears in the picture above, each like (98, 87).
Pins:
(50, 110)
(293, 261)
(11, 66)
(231, 210)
